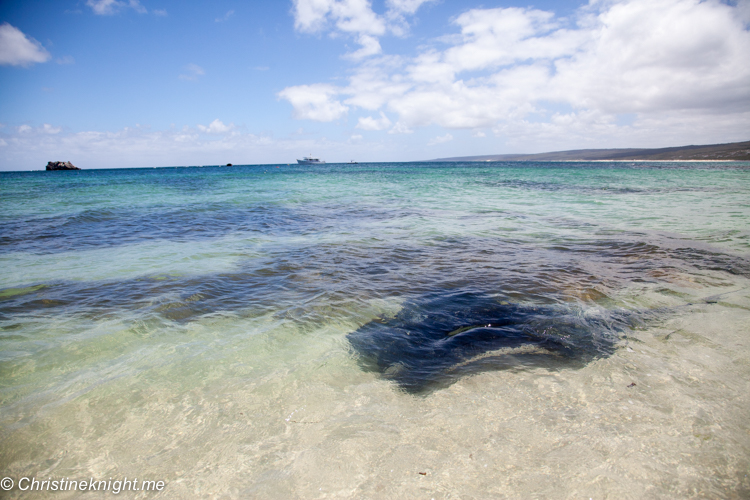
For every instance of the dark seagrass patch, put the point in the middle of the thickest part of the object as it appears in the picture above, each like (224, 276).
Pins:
(438, 338)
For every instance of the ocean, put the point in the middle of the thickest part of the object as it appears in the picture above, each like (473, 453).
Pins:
(393, 330)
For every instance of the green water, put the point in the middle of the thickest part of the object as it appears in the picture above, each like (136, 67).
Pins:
(193, 325)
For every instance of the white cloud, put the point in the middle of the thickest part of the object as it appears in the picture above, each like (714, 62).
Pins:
(370, 47)
(65, 60)
(193, 72)
(405, 6)
(314, 102)
(354, 18)
(109, 7)
(159, 12)
(440, 140)
(376, 82)
(16, 49)
(496, 37)
(647, 56)
(104, 7)
(400, 128)
(49, 129)
(370, 123)
(225, 17)
(512, 69)
(588, 129)
(397, 12)
(743, 8)
(216, 127)
(350, 16)
(139, 146)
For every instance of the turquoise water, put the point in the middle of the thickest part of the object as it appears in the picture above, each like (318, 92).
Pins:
(176, 322)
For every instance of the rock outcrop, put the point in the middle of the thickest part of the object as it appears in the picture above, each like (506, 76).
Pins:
(61, 165)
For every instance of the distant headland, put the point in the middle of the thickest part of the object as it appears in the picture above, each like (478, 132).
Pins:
(61, 165)
(735, 151)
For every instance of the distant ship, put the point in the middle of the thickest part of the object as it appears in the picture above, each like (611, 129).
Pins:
(309, 160)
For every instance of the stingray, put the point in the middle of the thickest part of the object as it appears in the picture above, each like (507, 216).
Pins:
(440, 337)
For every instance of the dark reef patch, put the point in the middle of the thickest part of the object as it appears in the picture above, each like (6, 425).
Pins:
(437, 339)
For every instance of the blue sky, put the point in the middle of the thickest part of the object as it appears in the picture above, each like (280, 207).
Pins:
(135, 83)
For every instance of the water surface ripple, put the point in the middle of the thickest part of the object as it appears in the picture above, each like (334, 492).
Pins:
(178, 290)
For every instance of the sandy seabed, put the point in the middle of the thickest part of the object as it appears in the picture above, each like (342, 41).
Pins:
(665, 417)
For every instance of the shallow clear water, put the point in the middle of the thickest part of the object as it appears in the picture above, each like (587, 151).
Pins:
(250, 331)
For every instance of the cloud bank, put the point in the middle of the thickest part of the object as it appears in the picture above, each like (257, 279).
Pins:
(25, 147)
(628, 67)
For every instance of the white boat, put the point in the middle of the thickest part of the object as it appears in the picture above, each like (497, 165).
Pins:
(309, 160)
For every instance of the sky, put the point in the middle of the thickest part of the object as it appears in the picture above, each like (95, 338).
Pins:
(148, 83)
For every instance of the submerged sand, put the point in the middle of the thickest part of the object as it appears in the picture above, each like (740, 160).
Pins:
(193, 326)
(664, 417)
